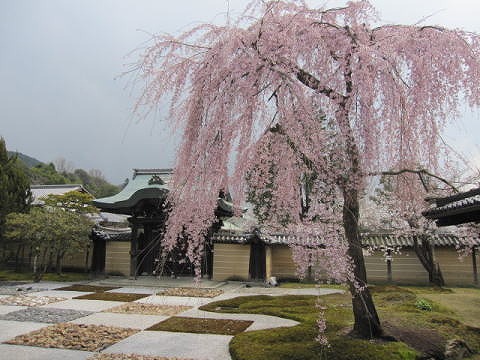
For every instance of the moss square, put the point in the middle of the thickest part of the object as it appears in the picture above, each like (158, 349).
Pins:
(87, 288)
(202, 325)
(74, 336)
(112, 296)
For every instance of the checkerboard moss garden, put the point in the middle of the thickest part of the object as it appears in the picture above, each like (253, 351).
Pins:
(416, 332)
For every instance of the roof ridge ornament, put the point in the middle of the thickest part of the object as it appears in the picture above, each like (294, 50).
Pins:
(156, 180)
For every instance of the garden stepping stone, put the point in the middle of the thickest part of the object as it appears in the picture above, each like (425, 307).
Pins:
(45, 315)
(134, 321)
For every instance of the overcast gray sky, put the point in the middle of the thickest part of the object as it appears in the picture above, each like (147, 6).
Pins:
(60, 95)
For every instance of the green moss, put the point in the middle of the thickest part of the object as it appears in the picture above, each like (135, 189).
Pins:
(87, 288)
(9, 275)
(111, 296)
(299, 307)
(298, 343)
(202, 325)
(396, 305)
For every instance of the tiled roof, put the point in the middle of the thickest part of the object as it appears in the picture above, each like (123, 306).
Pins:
(374, 240)
(145, 184)
(378, 240)
(232, 238)
(456, 209)
(271, 239)
(40, 191)
(112, 234)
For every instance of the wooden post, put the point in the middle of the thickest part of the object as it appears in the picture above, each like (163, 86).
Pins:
(474, 263)
(134, 249)
(268, 262)
(389, 265)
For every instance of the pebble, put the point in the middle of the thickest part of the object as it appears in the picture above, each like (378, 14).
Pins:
(26, 300)
(191, 292)
(148, 309)
(50, 316)
(74, 336)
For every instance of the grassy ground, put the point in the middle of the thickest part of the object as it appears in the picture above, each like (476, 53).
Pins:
(465, 303)
(420, 330)
(10, 275)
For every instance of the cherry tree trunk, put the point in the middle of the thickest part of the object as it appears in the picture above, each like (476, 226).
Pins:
(424, 252)
(367, 323)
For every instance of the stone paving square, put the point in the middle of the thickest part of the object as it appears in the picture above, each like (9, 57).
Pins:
(10, 329)
(183, 345)
(60, 293)
(112, 356)
(134, 321)
(47, 285)
(84, 305)
(5, 309)
(135, 290)
(18, 352)
(14, 290)
(44, 315)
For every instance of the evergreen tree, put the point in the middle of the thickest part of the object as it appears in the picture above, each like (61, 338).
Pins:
(15, 193)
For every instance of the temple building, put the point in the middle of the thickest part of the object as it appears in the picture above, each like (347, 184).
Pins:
(238, 249)
(41, 191)
(135, 250)
(461, 208)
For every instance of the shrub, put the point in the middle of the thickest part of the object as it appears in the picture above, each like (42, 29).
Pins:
(423, 304)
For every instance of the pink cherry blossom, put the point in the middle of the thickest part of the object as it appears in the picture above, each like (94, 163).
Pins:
(290, 91)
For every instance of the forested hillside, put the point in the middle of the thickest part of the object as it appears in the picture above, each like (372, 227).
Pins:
(40, 173)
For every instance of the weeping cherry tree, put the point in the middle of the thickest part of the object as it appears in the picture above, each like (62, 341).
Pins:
(322, 94)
